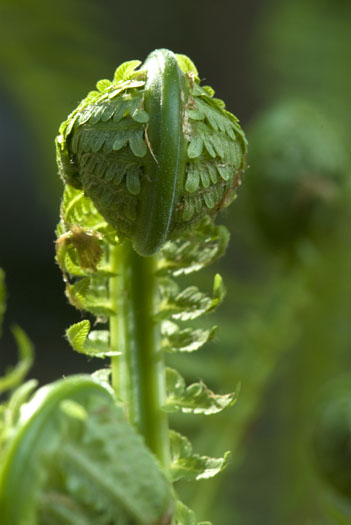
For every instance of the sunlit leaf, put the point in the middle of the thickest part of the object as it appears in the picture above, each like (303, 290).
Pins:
(125, 71)
(187, 65)
(77, 334)
(195, 398)
(195, 249)
(189, 466)
(186, 340)
(190, 303)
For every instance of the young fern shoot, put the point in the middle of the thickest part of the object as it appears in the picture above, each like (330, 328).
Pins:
(148, 161)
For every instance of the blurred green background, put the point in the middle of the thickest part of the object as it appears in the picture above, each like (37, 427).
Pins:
(282, 66)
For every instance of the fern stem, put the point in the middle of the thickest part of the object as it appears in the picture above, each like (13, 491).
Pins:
(115, 321)
(138, 374)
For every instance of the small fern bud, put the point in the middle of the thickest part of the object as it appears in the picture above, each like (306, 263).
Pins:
(298, 172)
(153, 150)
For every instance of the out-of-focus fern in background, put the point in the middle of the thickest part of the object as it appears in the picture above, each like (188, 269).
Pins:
(282, 68)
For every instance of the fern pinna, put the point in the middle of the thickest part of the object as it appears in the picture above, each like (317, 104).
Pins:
(148, 161)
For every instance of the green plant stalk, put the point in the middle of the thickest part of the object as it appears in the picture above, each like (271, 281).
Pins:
(138, 373)
(155, 153)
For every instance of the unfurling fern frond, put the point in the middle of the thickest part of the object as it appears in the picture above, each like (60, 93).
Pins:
(148, 159)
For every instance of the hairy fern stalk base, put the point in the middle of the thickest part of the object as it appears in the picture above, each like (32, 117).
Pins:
(148, 160)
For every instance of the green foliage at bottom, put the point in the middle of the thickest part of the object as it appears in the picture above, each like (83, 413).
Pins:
(75, 459)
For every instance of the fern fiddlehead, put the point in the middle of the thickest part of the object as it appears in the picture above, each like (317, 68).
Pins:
(153, 150)
(148, 160)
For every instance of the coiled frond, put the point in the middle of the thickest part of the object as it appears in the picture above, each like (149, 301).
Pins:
(153, 149)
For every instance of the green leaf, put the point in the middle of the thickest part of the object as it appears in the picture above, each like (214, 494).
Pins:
(83, 139)
(218, 290)
(188, 210)
(190, 303)
(220, 103)
(217, 144)
(209, 146)
(209, 198)
(94, 343)
(137, 143)
(116, 173)
(195, 147)
(75, 443)
(16, 375)
(125, 71)
(217, 119)
(209, 90)
(237, 155)
(102, 376)
(133, 181)
(97, 142)
(205, 178)
(83, 116)
(186, 340)
(109, 110)
(226, 172)
(194, 249)
(104, 84)
(135, 102)
(76, 292)
(121, 108)
(97, 344)
(193, 178)
(98, 306)
(195, 398)
(78, 209)
(121, 139)
(97, 114)
(77, 334)
(70, 266)
(187, 65)
(75, 146)
(212, 117)
(189, 466)
(195, 114)
(100, 167)
(140, 115)
(197, 199)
